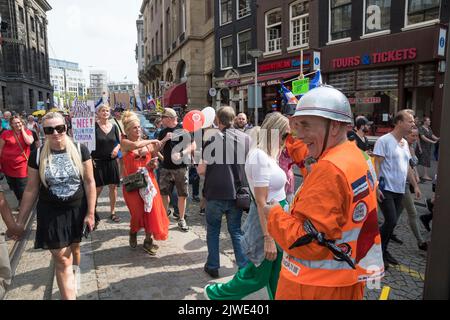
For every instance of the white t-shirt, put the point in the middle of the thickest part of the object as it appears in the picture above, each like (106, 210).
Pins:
(263, 171)
(395, 166)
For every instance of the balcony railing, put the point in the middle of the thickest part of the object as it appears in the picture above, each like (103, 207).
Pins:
(156, 60)
(244, 12)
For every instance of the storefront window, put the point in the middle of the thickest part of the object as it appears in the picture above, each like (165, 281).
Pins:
(273, 31)
(379, 106)
(422, 10)
(271, 99)
(377, 79)
(341, 19)
(378, 15)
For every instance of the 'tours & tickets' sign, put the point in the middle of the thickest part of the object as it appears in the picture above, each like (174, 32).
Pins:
(375, 58)
(83, 123)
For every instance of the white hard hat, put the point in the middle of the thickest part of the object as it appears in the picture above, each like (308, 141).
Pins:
(326, 102)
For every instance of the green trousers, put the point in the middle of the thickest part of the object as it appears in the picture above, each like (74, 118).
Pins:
(249, 280)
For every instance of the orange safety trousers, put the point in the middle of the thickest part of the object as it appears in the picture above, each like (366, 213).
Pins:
(287, 290)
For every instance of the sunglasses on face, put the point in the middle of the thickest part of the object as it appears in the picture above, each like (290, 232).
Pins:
(50, 130)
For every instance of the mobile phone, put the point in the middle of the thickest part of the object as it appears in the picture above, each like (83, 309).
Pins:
(86, 230)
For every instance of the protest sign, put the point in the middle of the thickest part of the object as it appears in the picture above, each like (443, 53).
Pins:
(83, 123)
(300, 87)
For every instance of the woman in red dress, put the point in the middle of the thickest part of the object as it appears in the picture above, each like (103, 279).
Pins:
(14, 153)
(138, 154)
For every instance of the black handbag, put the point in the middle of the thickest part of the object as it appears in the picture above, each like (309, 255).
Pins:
(134, 181)
(243, 193)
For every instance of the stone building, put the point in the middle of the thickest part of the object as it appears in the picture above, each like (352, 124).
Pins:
(24, 58)
(179, 51)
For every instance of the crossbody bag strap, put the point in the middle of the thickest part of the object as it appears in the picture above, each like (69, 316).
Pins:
(20, 145)
(118, 125)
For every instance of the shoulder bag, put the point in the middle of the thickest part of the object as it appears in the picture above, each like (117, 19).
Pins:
(243, 193)
(20, 145)
(134, 181)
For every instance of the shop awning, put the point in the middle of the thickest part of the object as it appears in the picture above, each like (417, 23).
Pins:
(278, 76)
(264, 78)
(176, 95)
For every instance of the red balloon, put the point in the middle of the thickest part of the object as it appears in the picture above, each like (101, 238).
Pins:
(193, 121)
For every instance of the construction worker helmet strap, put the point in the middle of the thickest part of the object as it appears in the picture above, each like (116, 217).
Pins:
(326, 102)
(325, 139)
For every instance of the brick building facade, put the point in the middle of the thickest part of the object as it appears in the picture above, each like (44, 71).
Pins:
(179, 51)
(24, 58)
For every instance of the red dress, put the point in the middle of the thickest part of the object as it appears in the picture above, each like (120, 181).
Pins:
(14, 163)
(155, 222)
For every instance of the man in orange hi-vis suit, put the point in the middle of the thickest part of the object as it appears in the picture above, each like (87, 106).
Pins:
(330, 239)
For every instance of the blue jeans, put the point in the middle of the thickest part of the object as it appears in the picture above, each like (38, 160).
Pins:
(214, 211)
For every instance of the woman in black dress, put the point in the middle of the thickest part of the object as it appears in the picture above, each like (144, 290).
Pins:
(60, 174)
(104, 157)
(427, 139)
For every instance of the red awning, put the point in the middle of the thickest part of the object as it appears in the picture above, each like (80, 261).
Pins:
(176, 95)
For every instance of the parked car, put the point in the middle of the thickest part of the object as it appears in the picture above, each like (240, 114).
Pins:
(147, 127)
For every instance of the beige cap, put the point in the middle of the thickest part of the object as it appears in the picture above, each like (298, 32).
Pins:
(170, 113)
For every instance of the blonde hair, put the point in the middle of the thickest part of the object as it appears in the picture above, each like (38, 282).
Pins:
(267, 137)
(103, 106)
(45, 158)
(128, 120)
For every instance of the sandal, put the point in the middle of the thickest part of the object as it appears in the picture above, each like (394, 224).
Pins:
(115, 218)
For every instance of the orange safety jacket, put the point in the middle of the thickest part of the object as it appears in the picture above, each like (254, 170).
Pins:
(360, 233)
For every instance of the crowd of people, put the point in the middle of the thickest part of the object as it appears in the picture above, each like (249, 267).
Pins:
(321, 242)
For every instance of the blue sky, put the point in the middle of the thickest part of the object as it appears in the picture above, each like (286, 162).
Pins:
(97, 34)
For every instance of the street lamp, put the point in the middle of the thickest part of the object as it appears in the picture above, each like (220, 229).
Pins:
(256, 53)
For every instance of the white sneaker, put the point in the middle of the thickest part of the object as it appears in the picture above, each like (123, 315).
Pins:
(183, 225)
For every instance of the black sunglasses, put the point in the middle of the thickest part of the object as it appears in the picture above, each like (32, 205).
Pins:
(60, 129)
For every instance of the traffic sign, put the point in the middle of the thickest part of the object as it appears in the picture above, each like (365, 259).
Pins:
(212, 92)
(442, 42)
(316, 60)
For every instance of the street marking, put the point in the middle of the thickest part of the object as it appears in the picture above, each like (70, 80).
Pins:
(412, 273)
(385, 293)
